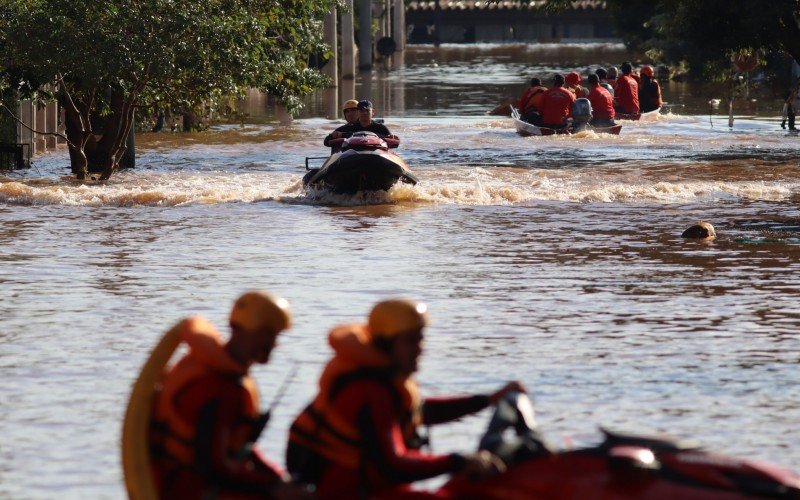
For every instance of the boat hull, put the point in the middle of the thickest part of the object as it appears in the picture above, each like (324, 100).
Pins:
(526, 129)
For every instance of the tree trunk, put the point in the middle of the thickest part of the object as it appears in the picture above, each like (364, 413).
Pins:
(79, 163)
(189, 121)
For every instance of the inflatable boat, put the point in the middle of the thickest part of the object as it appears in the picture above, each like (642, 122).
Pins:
(365, 162)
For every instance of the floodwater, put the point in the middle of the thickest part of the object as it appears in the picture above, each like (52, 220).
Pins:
(557, 261)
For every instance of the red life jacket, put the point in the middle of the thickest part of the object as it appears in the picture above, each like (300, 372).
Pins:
(531, 99)
(321, 429)
(172, 433)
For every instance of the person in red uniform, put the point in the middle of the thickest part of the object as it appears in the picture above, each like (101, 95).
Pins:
(530, 102)
(602, 104)
(649, 91)
(206, 414)
(626, 92)
(572, 82)
(358, 438)
(557, 104)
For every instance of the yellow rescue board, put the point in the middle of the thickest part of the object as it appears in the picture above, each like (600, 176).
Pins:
(135, 449)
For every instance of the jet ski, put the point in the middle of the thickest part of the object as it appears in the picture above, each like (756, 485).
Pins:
(622, 466)
(364, 162)
(581, 112)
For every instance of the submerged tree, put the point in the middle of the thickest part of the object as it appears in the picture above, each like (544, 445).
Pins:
(103, 60)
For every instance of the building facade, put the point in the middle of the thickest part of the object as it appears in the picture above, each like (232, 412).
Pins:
(509, 21)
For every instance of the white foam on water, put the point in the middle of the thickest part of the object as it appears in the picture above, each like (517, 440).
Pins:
(466, 186)
(469, 161)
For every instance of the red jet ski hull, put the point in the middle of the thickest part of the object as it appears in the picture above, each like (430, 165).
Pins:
(583, 474)
(621, 467)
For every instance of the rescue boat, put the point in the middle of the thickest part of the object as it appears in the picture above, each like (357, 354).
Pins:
(365, 162)
(526, 129)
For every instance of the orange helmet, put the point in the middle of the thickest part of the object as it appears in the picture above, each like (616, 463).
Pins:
(647, 71)
(390, 318)
(572, 78)
(256, 310)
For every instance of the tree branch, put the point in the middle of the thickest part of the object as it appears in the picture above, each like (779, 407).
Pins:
(16, 119)
(68, 95)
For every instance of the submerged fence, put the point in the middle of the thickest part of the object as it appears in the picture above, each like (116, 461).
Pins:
(27, 133)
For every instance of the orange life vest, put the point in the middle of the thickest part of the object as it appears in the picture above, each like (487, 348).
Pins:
(531, 99)
(172, 434)
(321, 429)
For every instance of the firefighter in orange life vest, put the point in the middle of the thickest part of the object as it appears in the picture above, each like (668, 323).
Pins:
(206, 415)
(358, 438)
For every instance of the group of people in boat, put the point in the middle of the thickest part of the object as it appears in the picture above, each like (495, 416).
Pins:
(612, 93)
(359, 437)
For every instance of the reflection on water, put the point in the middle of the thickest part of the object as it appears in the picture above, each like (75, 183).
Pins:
(468, 81)
(557, 261)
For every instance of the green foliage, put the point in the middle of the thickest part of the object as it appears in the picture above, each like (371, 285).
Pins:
(188, 50)
(117, 55)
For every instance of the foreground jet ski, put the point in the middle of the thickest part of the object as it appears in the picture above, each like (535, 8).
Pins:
(621, 467)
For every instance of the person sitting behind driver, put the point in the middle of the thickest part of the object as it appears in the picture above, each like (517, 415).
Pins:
(358, 438)
(350, 112)
(364, 123)
(602, 104)
(557, 104)
(572, 82)
(528, 104)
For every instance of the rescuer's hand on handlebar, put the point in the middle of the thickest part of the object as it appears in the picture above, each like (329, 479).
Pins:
(513, 386)
(483, 465)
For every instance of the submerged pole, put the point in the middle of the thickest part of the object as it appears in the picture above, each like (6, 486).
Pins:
(365, 35)
(331, 68)
(348, 42)
(399, 25)
(437, 22)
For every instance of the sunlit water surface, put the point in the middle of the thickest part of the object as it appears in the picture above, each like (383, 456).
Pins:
(556, 261)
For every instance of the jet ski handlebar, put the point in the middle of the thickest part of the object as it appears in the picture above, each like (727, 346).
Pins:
(391, 141)
(514, 411)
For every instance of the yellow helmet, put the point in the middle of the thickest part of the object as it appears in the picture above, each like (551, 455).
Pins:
(256, 310)
(350, 104)
(392, 317)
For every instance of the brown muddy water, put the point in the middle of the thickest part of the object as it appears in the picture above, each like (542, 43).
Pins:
(557, 261)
